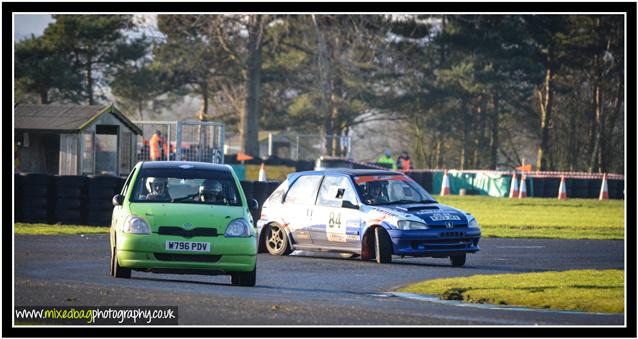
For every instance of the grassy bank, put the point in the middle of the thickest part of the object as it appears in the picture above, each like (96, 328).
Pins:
(544, 218)
(42, 229)
(578, 290)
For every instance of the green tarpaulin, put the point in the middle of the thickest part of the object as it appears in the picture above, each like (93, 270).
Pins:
(492, 184)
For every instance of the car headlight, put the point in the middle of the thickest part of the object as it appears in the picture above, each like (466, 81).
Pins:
(135, 225)
(411, 225)
(473, 223)
(238, 228)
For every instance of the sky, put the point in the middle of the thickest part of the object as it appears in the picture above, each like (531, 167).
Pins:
(27, 24)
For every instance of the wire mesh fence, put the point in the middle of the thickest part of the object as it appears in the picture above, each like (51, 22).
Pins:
(181, 140)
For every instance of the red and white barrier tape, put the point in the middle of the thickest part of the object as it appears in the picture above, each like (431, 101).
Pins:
(535, 174)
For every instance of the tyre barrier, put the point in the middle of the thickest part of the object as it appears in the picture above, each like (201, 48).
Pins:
(70, 199)
(100, 190)
(17, 199)
(35, 196)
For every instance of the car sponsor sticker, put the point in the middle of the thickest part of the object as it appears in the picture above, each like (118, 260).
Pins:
(190, 246)
(444, 216)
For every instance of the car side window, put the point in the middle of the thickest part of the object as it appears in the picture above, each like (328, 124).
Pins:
(304, 190)
(278, 194)
(128, 182)
(334, 190)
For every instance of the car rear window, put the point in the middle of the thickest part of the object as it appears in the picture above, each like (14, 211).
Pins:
(186, 186)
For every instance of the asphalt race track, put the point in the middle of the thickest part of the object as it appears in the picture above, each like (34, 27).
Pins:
(304, 288)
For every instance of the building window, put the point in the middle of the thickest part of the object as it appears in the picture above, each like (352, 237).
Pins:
(88, 151)
(125, 152)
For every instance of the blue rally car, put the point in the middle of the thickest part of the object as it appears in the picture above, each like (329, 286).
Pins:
(371, 213)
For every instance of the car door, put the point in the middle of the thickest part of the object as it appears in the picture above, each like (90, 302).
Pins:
(339, 226)
(298, 208)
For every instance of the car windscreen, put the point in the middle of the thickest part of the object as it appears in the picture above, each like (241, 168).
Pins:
(193, 186)
(390, 189)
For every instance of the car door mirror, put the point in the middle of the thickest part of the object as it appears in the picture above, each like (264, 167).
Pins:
(348, 204)
(253, 205)
(118, 200)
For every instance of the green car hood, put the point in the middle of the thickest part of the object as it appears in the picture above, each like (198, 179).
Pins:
(176, 214)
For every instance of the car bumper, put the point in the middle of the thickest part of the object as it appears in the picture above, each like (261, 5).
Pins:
(147, 252)
(435, 242)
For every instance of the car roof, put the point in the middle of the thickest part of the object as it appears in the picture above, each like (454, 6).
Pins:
(177, 164)
(343, 171)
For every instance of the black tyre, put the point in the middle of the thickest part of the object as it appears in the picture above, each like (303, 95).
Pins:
(383, 246)
(117, 270)
(76, 181)
(98, 192)
(458, 260)
(100, 204)
(36, 191)
(277, 240)
(68, 204)
(106, 181)
(35, 202)
(348, 255)
(35, 215)
(68, 192)
(244, 278)
(247, 186)
(37, 179)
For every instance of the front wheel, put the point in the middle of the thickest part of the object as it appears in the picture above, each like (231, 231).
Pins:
(458, 260)
(244, 278)
(117, 270)
(383, 246)
(277, 241)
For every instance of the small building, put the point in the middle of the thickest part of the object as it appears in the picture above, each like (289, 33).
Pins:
(74, 139)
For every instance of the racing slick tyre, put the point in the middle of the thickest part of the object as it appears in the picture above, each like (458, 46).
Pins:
(117, 270)
(244, 278)
(383, 246)
(348, 255)
(457, 260)
(277, 240)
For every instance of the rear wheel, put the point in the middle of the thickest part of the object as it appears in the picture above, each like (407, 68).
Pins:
(277, 240)
(117, 270)
(458, 260)
(383, 246)
(244, 278)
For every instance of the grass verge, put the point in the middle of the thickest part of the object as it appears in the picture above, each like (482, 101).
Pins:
(576, 290)
(544, 218)
(44, 229)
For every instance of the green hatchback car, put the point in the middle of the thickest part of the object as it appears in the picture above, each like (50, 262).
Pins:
(183, 218)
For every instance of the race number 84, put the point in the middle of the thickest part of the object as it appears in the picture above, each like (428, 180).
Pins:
(332, 222)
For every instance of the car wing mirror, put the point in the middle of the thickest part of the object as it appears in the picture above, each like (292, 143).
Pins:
(348, 204)
(118, 200)
(253, 205)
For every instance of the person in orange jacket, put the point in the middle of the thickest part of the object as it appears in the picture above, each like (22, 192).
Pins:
(403, 162)
(155, 145)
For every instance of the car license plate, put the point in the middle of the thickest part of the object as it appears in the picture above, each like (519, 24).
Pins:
(191, 246)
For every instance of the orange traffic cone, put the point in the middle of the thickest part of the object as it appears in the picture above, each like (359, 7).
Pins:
(604, 192)
(562, 190)
(262, 173)
(522, 193)
(514, 187)
(445, 187)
